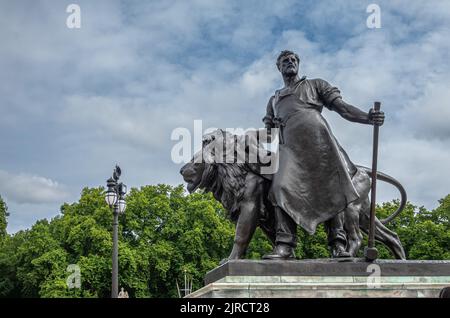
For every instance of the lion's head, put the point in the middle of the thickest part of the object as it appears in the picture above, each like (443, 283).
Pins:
(192, 174)
(194, 171)
(208, 170)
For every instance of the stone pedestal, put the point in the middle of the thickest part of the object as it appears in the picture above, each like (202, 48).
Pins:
(325, 278)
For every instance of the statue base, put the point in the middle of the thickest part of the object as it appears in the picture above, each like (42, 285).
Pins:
(325, 278)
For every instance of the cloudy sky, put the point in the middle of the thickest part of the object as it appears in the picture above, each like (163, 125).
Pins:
(74, 102)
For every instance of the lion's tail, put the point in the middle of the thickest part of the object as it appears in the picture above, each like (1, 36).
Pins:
(386, 178)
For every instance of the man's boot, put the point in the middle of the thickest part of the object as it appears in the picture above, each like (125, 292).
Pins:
(281, 251)
(338, 249)
(337, 237)
(286, 237)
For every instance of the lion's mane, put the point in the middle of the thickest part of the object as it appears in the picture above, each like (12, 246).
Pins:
(227, 184)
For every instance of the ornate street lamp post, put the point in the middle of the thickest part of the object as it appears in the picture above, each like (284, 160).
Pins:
(115, 197)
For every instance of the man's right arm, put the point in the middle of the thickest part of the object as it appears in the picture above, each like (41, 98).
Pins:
(268, 119)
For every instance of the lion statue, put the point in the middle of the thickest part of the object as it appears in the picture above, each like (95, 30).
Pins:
(242, 189)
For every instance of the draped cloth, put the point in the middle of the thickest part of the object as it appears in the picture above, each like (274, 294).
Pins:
(313, 181)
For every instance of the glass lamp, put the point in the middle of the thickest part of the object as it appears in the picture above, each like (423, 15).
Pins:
(111, 197)
(122, 205)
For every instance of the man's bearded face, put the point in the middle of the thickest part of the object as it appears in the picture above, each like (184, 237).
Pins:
(289, 65)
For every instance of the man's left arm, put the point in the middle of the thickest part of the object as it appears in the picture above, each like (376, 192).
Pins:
(332, 99)
(356, 115)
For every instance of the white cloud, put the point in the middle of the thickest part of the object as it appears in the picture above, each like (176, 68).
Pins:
(113, 90)
(25, 188)
(128, 120)
(428, 116)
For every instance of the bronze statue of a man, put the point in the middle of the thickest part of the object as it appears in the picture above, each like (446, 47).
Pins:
(314, 181)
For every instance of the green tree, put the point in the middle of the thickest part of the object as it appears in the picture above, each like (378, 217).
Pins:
(424, 234)
(9, 283)
(3, 223)
(163, 234)
(178, 232)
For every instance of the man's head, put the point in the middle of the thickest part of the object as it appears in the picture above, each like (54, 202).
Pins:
(288, 63)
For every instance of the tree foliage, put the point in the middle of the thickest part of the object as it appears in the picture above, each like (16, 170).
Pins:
(3, 223)
(424, 234)
(163, 234)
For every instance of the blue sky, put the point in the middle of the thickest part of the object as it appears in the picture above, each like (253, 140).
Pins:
(76, 101)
